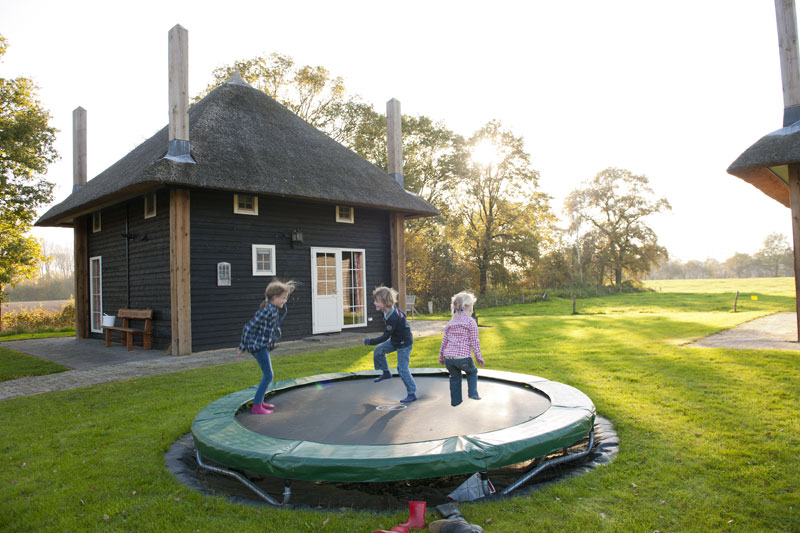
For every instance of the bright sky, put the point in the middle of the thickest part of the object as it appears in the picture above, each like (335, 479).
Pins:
(672, 90)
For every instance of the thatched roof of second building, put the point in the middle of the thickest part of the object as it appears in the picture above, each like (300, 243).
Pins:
(244, 141)
(765, 163)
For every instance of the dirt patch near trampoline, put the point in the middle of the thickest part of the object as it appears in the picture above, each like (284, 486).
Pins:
(773, 332)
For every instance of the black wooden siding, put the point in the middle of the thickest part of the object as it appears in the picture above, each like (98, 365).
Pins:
(220, 235)
(142, 281)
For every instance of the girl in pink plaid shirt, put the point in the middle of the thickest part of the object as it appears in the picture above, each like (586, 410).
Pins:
(460, 341)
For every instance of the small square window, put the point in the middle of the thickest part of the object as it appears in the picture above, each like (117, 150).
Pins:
(263, 259)
(150, 205)
(245, 204)
(344, 214)
(96, 222)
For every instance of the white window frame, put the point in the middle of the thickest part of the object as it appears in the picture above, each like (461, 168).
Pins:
(97, 222)
(255, 248)
(224, 274)
(240, 211)
(150, 199)
(344, 220)
(363, 253)
(92, 310)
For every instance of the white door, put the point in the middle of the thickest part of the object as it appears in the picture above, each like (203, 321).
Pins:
(325, 292)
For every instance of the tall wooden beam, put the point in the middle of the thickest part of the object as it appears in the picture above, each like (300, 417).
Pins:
(394, 140)
(397, 229)
(394, 148)
(794, 195)
(79, 226)
(790, 66)
(81, 282)
(79, 166)
(786, 16)
(180, 272)
(178, 83)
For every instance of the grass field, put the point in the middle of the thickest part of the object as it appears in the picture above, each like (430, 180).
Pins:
(709, 438)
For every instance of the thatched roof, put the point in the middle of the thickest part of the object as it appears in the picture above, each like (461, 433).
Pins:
(244, 141)
(765, 164)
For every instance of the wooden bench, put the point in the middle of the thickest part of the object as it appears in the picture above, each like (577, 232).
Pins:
(128, 332)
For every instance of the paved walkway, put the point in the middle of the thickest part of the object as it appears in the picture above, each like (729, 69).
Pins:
(92, 362)
(773, 332)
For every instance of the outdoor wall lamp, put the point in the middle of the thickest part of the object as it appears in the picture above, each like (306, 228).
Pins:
(297, 237)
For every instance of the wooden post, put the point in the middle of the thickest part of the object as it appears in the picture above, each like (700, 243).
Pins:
(397, 230)
(178, 83)
(180, 272)
(81, 282)
(397, 224)
(80, 226)
(794, 196)
(394, 140)
(790, 67)
(79, 171)
(735, 301)
(786, 16)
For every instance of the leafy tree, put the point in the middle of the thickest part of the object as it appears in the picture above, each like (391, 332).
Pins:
(776, 254)
(26, 149)
(432, 154)
(615, 203)
(505, 218)
(309, 92)
(739, 264)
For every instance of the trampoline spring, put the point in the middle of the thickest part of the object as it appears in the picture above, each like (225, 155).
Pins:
(287, 491)
(564, 459)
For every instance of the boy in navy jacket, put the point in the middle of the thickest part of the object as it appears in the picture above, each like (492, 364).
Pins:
(396, 337)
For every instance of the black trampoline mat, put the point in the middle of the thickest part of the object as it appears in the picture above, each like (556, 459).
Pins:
(358, 411)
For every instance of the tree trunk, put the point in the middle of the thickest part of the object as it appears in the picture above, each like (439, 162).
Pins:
(618, 277)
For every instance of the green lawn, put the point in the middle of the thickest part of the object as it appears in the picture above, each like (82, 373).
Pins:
(15, 365)
(709, 438)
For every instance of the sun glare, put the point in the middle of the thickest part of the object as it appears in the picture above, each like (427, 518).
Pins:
(485, 153)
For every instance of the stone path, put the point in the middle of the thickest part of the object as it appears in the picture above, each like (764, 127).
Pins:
(93, 363)
(773, 332)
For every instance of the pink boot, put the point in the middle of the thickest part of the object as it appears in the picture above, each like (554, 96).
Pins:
(258, 409)
(268, 405)
(416, 519)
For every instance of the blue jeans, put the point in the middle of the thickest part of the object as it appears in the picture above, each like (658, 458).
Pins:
(262, 357)
(403, 360)
(455, 366)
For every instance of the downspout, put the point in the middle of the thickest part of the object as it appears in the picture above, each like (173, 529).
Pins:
(127, 236)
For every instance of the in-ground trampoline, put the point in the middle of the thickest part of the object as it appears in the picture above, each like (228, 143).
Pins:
(343, 427)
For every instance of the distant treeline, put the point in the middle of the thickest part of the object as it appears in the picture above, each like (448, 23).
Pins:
(53, 287)
(774, 259)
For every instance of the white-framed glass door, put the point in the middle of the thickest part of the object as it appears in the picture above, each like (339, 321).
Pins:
(96, 294)
(354, 289)
(325, 290)
(338, 293)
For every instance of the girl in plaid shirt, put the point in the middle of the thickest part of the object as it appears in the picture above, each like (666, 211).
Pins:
(459, 342)
(257, 333)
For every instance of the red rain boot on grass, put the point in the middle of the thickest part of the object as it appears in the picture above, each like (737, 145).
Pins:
(258, 409)
(416, 518)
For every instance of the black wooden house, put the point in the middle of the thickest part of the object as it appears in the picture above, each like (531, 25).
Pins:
(263, 194)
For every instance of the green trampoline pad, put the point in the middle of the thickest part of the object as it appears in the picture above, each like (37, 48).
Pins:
(344, 427)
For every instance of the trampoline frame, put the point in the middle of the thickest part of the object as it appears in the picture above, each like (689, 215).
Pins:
(218, 436)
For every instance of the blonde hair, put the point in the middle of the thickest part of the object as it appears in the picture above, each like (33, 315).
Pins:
(277, 287)
(385, 295)
(462, 301)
